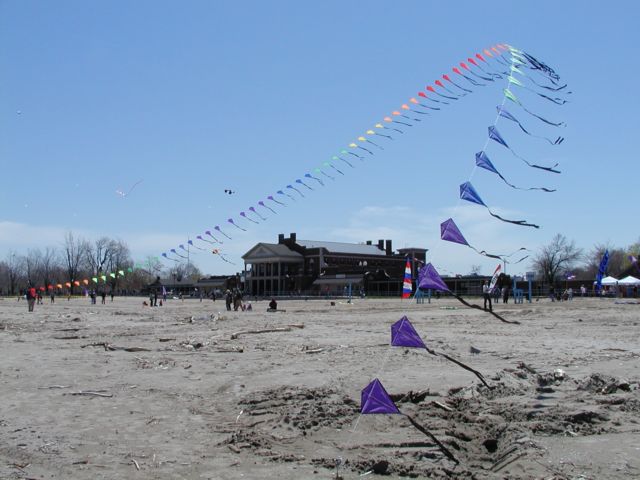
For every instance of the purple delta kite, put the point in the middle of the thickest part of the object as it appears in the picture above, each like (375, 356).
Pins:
(496, 137)
(482, 161)
(220, 230)
(253, 209)
(468, 193)
(374, 400)
(230, 220)
(173, 250)
(244, 215)
(190, 242)
(169, 258)
(450, 232)
(403, 334)
(429, 278)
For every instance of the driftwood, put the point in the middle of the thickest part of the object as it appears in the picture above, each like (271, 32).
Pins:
(72, 337)
(315, 350)
(286, 328)
(109, 347)
(54, 386)
(90, 393)
(442, 406)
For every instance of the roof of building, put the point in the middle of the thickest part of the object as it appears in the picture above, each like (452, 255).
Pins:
(265, 251)
(340, 247)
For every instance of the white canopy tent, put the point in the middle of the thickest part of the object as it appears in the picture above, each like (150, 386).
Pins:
(608, 281)
(630, 280)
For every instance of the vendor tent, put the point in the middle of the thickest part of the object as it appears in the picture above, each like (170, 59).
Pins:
(608, 281)
(630, 280)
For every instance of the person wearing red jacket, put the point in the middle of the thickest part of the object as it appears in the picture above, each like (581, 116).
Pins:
(31, 296)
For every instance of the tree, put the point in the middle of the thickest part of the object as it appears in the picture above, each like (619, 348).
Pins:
(74, 251)
(13, 269)
(559, 256)
(475, 269)
(618, 260)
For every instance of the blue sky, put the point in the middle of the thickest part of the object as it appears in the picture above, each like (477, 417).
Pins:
(195, 97)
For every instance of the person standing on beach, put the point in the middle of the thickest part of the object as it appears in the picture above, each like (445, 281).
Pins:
(103, 294)
(52, 295)
(505, 294)
(486, 293)
(31, 296)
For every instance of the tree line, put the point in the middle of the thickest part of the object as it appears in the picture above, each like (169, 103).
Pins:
(77, 259)
(561, 258)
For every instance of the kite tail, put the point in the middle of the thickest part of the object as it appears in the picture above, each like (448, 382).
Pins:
(252, 220)
(493, 74)
(548, 122)
(366, 150)
(522, 223)
(473, 82)
(429, 107)
(536, 64)
(544, 189)
(447, 96)
(487, 79)
(444, 449)
(359, 156)
(478, 307)
(239, 227)
(547, 87)
(482, 252)
(272, 208)
(347, 162)
(513, 263)
(225, 235)
(466, 367)
(401, 123)
(460, 87)
(533, 165)
(557, 141)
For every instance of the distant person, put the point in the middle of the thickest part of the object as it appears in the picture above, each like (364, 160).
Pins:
(155, 298)
(273, 306)
(505, 294)
(151, 299)
(39, 297)
(112, 295)
(228, 299)
(583, 291)
(237, 300)
(31, 296)
(570, 293)
(52, 296)
(552, 294)
(486, 293)
(104, 297)
(496, 294)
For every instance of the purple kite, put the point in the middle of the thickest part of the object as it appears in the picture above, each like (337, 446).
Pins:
(230, 220)
(482, 161)
(496, 137)
(244, 215)
(403, 334)
(190, 242)
(450, 232)
(375, 400)
(429, 278)
(468, 193)
(219, 230)
(262, 204)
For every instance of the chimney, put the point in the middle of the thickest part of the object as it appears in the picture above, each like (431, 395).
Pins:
(292, 237)
(388, 248)
(381, 244)
(368, 242)
(281, 238)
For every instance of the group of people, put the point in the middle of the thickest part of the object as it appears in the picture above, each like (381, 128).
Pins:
(234, 298)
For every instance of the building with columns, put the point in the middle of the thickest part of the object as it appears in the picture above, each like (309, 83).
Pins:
(294, 266)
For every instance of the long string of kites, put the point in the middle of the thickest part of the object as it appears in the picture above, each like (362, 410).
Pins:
(374, 397)
(103, 277)
(519, 69)
(479, 71)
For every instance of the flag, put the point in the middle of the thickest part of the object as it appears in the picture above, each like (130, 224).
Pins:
(407, 287)
(494, 279)
(601, 270)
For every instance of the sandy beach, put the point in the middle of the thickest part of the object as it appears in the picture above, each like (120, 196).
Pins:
(189, 390)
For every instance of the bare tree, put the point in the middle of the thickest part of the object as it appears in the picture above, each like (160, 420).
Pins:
(118, 261)
(13, 268)
(73, 253)
(475, 269)
(49, 265)
(98, 254)
(618, 260)
(559, 256)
